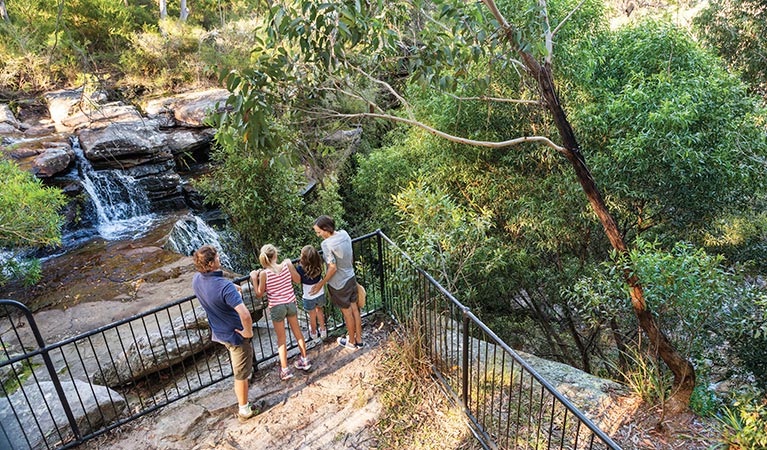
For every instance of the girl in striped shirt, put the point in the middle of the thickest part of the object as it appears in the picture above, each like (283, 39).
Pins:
(276, 281)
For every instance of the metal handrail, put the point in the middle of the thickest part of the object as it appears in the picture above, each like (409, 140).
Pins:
(425, 298)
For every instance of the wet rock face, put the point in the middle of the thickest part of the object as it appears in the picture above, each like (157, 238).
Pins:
(116, 136)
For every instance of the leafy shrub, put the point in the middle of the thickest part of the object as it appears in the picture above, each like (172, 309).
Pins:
(165, 59)
(744, 426)
(28, 219)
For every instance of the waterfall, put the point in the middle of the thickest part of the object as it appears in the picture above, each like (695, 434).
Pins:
(120, 203)
(190, 233)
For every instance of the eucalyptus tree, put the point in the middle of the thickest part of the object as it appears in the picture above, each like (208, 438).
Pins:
(314, 54)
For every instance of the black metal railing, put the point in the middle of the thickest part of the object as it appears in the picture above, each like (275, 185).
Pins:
(508, 404)
(62, 394)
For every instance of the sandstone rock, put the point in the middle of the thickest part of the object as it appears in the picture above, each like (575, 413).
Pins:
(124, 144)
(7, 128)
(342, 139)
(61, 104)
(592, 395)
(91, 405)
(189, 109)
(101, 116)
(53, 161)
(7, 117)
(185, 140)
(158, 350)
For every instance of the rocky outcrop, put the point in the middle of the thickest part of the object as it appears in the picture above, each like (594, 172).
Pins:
(91, 405)
(186, 110)
(45, 157)
(8, 122)
(122, 145)
(53, 161)
(116, 136)
(156, 351)
(592, 395)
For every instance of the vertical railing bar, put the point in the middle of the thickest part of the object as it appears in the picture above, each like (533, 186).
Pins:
(166, 386)
(153, 356)
(465, 358)
(511, 397)
(189, 340)
(182, 361)
(205, 349)
(519, 404)
(77, 391)
(18, 380)
(484, 389)
(564, 429)
(381, 279)
(540, 414)
(51, 371)
(125, 354)
(500, 393)
(492, 387)
(577, 433)
(16, 414)
(551, 420)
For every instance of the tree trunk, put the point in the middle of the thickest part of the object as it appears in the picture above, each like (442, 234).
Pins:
(4, 11)
(184, 11)
(163, 9)
(684, 373)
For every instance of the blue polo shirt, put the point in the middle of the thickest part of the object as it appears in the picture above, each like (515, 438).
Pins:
(219, 297)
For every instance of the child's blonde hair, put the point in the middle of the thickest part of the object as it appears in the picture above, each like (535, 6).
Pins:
(311, 262)
(268, 254)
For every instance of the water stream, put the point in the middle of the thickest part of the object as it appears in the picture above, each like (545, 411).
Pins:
(120, 204)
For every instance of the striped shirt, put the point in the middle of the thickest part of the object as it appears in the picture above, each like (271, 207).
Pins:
(279, 287)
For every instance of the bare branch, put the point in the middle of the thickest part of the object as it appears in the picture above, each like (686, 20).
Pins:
(457, 139)
(566, 18)
(548, 35)
(485, 98)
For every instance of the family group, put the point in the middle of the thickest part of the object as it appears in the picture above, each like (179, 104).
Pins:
(232, 325)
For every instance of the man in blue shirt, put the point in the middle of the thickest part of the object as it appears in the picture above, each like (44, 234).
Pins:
(229, 319)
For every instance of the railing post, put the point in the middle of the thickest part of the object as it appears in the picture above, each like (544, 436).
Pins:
(465, 360)
(48, 365)
(381, 280)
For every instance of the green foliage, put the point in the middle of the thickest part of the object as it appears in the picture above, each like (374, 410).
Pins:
(703, 401)
(746, 327)
(676, 140)
(737, 31)
(164, 59)
(259, 194)
(645, 378)
(744, 426)
(687, 288)
(447, 239)
(28, 218)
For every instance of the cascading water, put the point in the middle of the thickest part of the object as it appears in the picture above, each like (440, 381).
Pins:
(190, 233)
(120, 203)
